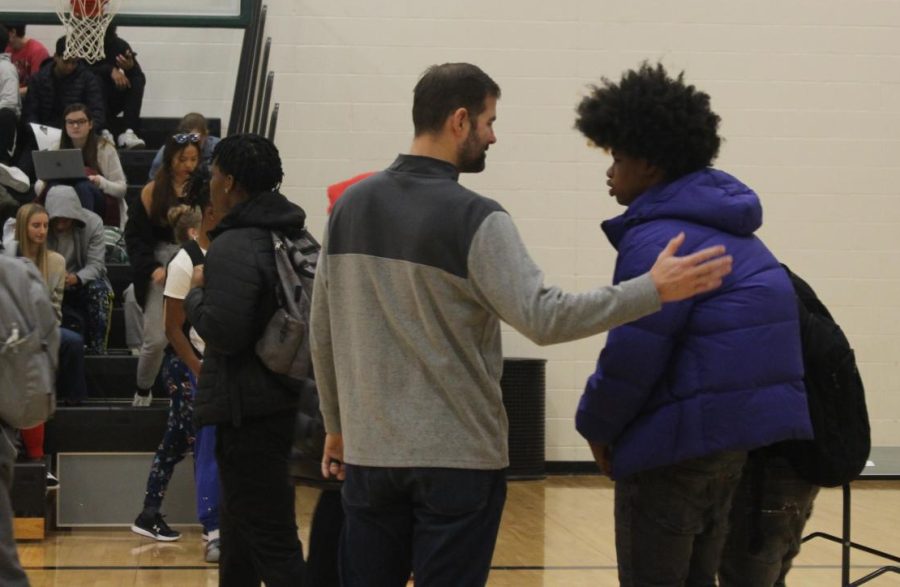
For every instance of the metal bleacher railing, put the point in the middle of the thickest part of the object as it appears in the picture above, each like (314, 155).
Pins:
(253, 90)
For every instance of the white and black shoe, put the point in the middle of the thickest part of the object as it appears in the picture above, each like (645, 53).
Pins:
(154, 527)
(130, 140)
(142, 401)
(212, 551)
(14, 178)
(52, 481)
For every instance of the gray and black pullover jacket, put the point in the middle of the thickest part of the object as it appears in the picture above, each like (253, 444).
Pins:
(416, 274)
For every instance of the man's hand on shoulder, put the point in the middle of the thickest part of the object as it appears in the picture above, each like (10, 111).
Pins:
(678, 278)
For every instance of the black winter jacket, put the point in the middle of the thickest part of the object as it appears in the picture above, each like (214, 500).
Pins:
(141, 238)
(41, 104)
(231, 311)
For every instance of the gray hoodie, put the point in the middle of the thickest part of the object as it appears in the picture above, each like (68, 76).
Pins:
(87, 259)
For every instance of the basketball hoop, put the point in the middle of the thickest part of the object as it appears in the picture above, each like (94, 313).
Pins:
(85, 22)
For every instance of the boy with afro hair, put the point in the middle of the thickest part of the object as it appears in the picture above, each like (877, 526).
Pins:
(680, 396)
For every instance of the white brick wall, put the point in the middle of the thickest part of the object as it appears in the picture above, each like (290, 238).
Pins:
(809, 93)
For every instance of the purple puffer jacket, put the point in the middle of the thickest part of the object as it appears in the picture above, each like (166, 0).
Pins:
(722, 371)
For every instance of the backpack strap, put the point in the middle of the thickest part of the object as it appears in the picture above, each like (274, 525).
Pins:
(192, 248)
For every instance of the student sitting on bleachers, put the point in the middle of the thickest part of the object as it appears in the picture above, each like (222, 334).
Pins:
(192, 123)
(103, 191)
(26, 54)
(32, 224)
(59, 83)
(10, 104)
(123, 84)
(77, 235)
(9, 119)
(151, 244)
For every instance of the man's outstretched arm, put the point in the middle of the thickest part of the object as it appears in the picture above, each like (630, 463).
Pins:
(678, 278)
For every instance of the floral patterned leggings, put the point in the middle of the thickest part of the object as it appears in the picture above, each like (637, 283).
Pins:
(181, 438)
(87, 310)
(178, 439)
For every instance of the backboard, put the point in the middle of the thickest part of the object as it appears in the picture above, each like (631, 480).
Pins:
(171, 13)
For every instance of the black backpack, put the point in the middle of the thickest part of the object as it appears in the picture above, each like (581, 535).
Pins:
(837, 404)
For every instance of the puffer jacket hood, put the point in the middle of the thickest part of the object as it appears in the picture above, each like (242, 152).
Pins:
(269, 210)
(709, 198)
(718, 372)
(63, 202)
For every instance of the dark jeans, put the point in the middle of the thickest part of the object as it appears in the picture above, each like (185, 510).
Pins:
(9, 124)
(671, 522)
(128, 101)
(770, 509)
(324, 537)
(256, 514)
(439, 523)
(70, 382)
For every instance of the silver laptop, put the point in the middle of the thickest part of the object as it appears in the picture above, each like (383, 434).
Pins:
(61, 164)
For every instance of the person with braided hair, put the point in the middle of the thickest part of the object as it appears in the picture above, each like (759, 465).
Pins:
(253, 409)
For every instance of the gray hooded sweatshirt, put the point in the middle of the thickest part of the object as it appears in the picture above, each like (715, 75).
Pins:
(85, 254)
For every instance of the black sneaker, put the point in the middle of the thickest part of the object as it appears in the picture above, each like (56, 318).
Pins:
(52, 481)
(154, 527)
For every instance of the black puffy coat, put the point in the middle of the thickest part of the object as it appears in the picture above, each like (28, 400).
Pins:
(231, 311)
(43, 106)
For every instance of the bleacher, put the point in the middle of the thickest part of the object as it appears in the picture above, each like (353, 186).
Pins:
(105, 433)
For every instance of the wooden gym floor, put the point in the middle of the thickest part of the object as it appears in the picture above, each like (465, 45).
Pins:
(557, 532)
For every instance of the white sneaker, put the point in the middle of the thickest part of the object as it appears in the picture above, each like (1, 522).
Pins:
(213, 551)
(108, 136)
(142, 401)
(129, 140)
(14, 178)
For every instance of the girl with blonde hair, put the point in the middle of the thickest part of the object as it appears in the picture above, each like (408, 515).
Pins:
(31, 227)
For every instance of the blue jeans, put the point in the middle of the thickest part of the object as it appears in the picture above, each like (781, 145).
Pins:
(440, 524)
(671, 522)
(206, 478)
(770, 509)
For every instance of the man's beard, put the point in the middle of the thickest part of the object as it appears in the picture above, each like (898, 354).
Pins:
(472, 154)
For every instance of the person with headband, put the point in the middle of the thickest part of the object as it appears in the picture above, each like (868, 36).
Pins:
(150, 241)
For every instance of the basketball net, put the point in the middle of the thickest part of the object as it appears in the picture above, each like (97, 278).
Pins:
(85, 22)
